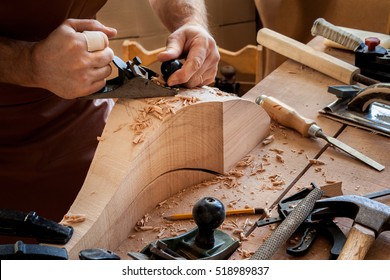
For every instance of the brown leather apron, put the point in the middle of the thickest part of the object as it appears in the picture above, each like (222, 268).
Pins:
(46, 143)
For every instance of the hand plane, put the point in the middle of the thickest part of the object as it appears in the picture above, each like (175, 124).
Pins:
(367, 108)
(204, 242)
(137, 81)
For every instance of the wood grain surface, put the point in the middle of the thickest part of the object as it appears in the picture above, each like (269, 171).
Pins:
(259, 178)
(150, 149)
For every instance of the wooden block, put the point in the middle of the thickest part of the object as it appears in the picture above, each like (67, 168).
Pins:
(185, 140)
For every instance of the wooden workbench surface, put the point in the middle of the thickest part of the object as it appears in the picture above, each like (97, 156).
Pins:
(263, 175)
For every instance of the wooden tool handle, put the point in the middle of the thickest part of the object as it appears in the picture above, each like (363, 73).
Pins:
(358, 243)
(308, 56)
(285, 115)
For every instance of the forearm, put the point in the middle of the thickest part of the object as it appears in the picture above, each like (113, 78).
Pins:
(15, 61)
(176, 13)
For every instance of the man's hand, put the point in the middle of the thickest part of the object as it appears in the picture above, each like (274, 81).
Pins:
(194, 43)
(62, 64)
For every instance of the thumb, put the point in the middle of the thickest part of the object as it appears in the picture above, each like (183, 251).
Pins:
(173, 49)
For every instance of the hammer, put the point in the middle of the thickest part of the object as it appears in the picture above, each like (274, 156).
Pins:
(370, 219)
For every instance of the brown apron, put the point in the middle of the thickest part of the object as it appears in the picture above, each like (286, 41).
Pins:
(46, 143)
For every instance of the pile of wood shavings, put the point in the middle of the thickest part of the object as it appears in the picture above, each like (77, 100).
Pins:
(157, 108)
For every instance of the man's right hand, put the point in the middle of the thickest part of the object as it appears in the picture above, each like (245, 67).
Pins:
(62, 64)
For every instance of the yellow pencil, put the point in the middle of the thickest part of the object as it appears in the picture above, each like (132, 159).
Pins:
(229, 212)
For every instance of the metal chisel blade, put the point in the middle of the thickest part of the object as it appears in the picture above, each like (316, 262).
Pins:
(351, 151)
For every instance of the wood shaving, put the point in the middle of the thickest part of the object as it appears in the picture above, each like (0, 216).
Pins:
(161, 233)
(139, 139)
(145, 219)
(330, 181)
(268, 140)
(159, 205)
(278, 183)
(246, 161)
(144, 228)
(243, 237)
(228, 227)
(279, 158)
(316, 162)
(70, 219)
(236, 173)
(245, 253)
(187, 100)
(278, 151)
(257, 169)
(158, 80)
(158, 108)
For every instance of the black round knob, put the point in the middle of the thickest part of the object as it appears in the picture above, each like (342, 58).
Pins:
(169, 67)
(228, 72)
(209, 213)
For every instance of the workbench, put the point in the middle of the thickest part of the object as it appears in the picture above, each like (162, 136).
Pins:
(305, 90)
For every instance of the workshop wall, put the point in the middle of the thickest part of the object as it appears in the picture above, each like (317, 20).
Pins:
(232, 23)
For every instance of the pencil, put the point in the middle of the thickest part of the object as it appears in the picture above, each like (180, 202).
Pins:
(229, 212)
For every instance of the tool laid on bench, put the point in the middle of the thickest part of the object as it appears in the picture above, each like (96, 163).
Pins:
(22, 251)
(367, 108)
(287, 116)
(313, 228)
(31, 225)
(320, 61)
(288, 226)
(370, 219)
(204, 242)
(372, 59)
(309, 228)
(135, 81)
(23, 224)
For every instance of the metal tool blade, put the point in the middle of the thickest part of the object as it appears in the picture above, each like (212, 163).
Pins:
(377, 119)
(134, 88)
(351, 151)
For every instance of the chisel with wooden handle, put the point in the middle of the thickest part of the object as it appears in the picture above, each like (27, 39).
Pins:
(287, 116)
(320, 61)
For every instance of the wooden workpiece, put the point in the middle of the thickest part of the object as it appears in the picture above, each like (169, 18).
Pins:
(305, 90)
(151, 149)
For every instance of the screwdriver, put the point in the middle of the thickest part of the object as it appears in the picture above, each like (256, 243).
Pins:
(287, 116)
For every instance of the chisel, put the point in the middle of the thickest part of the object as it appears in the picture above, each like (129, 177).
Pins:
(287, 116)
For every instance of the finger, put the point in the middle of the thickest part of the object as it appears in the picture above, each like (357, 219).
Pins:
(174, 48)
(91, 25)
(96, 40)
(203, 78)
(95, 87)
(98, 79)
(102, 58)
(191, 66)
(102, 73)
